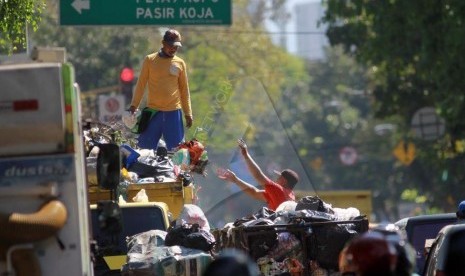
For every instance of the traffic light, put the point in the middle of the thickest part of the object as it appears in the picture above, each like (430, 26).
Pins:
(127, 82)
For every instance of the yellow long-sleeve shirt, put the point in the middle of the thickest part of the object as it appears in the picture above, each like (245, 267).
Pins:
(168, 87)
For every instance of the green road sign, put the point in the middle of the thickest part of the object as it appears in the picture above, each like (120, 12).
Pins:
(145, 12)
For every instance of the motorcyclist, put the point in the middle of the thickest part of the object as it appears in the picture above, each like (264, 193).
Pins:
(405, 252)
(461, 212)
(369, 254)
(387, 252)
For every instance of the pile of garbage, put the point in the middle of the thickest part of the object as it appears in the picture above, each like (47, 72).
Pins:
(186, 247)
(298, 237)
(143, 165)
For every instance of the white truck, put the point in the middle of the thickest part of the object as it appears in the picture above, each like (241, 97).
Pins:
(47, 226)
(44, 213)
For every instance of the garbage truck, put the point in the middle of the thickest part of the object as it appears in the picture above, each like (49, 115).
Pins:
(44, 225)
(51, 223)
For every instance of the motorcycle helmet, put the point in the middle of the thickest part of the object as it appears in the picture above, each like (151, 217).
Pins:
(404, 250)
(368, 254)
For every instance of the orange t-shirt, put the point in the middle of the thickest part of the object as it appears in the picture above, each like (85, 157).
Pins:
(276, 194)
(168, 88)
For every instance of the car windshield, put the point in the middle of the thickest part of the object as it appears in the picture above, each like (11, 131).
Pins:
(348, 111)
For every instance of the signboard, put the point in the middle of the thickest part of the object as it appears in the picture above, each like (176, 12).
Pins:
(111, 108)
(427, 124)
(348, 155)
(405, 152)
(145, 12)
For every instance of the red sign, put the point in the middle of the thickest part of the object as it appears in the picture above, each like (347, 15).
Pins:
(112, 105)
(20, 105)
(111, 108)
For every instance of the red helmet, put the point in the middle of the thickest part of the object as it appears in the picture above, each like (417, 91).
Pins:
(368, 254)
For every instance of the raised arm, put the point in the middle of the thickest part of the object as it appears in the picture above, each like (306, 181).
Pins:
(254, 169)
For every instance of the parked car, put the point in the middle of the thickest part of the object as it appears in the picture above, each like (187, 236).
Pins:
(447, 254)
(419, 229)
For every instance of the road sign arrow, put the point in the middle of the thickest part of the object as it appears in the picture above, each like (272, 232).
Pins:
(80, 5)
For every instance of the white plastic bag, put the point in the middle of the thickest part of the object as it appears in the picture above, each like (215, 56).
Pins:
(346, 213)
(121, 200)
(129, 119)
(141, 196)
(193, 214)
(287, 206)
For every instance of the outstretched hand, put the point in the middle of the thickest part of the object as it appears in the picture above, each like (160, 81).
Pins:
(242, 145)
(225, 174)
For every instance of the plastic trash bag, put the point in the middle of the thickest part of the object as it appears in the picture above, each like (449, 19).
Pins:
(181, 158)
(141, 196)
(130, 119)
(193, 214)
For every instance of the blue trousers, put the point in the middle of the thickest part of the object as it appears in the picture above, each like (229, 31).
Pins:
(168, 124)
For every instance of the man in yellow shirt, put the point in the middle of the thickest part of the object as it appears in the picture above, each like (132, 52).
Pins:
(168, 95)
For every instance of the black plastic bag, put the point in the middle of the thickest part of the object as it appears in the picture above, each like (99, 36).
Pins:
(177, 235)
(202, 240)
(264, 212)
(143, 170)
(326, 243)
(313, 203)
(190, 236)
(260, 245)
(160, 167)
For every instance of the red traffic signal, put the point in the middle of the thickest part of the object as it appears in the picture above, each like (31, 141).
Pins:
(127, 75)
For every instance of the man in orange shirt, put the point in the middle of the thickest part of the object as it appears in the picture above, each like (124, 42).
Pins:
(168, 95)
(274, 192)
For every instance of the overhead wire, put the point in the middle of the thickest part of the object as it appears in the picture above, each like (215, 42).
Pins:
(260, 32)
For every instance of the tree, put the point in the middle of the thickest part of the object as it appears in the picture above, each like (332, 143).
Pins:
(15, 17)
(414, 49)
(224, 56)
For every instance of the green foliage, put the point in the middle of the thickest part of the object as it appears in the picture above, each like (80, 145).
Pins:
(98, 54)
(224, 57)
(15, 17)
(413, 196)
(335, 107)
(415, 49)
